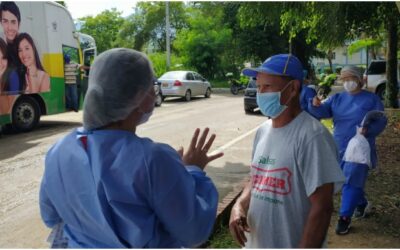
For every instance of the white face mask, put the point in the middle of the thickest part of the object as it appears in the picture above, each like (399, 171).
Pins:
(350, 86)
(146, 115)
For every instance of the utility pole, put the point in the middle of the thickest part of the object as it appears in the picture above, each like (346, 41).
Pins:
(167, 27)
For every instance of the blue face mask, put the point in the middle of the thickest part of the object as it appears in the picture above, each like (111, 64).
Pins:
(270, 103)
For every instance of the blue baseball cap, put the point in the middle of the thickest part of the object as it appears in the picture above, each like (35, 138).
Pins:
(279, 65)
(67, 58)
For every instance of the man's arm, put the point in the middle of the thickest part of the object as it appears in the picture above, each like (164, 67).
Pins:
(319, 217)
(238, 220)
(84, 67)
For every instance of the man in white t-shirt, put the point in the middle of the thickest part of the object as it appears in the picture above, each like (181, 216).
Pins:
(71, 90)
(294, 170)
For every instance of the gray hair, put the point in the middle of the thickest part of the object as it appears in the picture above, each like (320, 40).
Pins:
(118, 80)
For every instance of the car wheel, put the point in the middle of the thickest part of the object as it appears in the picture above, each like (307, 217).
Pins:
(381, 91)
(25, 114)
(234, 90)
(208, 93)
(159, 100)
(188, 95)
(248, 111)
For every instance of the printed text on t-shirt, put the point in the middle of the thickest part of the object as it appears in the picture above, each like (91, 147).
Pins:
(275, 180)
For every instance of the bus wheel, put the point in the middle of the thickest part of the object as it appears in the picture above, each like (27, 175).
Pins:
(25, 114)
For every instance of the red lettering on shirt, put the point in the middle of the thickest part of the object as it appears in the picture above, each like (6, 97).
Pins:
(276, 180)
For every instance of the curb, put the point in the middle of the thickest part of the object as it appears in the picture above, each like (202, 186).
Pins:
(220, 90)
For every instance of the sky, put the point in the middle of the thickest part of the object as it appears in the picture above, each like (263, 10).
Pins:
(79, 8)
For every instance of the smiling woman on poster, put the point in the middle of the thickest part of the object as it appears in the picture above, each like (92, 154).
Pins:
(37, 80)
(9, 82)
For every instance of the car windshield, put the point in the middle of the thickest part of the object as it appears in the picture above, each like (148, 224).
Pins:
(252, 84)
(377, 68)
(173, 75)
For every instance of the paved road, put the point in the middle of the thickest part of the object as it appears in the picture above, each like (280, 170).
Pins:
(22, 155)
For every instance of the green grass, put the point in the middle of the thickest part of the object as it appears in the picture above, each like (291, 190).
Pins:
(328, 123)
(219, 83)
(222, 239)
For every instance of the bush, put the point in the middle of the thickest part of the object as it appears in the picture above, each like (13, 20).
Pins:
(159, 61)
(324, 87)
(328, 80)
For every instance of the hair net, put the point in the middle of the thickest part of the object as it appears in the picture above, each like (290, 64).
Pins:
(118, 80)
(351, 71)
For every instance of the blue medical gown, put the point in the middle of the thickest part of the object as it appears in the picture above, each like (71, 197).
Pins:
(348, 112)
(125, 191)
(306, 94)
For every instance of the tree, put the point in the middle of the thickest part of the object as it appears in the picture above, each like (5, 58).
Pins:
(287, 19)
(333, 23)
(371, 18)
(392, 23)
(202, 45)
(146, 27)
(251, 43)
(159, 61)
(103, 28)
(372, 45)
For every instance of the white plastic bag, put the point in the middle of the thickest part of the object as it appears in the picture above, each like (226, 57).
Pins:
(358, 150)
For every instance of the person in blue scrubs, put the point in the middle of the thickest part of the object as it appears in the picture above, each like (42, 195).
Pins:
(306, 93)
(111, 188)
(348, 109)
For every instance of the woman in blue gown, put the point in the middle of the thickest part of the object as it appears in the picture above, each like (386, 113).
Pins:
(110, 188)
(348, 109)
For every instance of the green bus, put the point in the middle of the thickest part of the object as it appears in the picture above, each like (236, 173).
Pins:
(37, 36)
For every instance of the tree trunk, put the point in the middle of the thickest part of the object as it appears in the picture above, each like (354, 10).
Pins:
(330, 57)
(391, 64)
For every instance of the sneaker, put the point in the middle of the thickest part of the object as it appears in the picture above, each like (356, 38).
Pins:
(343, 226)
(362, 211)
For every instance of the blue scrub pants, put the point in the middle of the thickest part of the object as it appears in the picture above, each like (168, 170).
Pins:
(353, 194)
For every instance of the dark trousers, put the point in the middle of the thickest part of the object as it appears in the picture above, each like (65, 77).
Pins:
(71, 96)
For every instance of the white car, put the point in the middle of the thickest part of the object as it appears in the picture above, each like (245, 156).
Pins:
(184, 84)
(375, 77)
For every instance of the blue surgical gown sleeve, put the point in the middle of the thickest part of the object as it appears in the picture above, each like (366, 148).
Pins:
(48, 212)
(185, 199)
(323, 111)
(375, 121)
(306, 94)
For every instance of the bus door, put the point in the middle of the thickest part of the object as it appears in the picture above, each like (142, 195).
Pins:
(88, 57)
(72, 77)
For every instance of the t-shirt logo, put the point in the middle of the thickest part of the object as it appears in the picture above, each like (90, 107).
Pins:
(275, 181)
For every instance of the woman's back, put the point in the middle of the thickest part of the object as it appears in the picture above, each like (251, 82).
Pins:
(110, 190)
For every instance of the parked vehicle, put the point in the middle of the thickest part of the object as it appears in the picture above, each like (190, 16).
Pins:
(158, 93)
(236, 85)
(51, 28)
(250, 95)
(375, 77)
(184, 84)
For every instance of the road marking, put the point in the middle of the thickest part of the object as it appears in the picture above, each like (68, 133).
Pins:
(222, 148)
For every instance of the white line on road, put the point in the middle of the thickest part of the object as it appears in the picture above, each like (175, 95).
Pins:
(222, 148)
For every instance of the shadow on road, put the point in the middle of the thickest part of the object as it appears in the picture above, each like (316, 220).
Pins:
(227, 177)
(13, 143)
